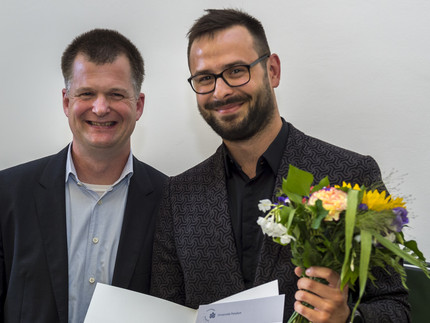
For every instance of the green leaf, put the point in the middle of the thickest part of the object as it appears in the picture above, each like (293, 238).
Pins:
(307, 254)
(321, 214)
(298, 182)
(296, 198)
(394, 248)
(290, 218)
(284, 214)
(412, 245)
(350, 214)
(366, 249)
(323, 183)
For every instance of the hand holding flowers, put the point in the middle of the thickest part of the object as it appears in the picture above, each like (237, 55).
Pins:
(349, 229)
(329, 302)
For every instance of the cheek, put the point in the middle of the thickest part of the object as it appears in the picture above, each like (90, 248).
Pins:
(202, 100)
(77, 110)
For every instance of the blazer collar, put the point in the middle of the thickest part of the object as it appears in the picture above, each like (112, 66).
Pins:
(50, 203)
(137, 224)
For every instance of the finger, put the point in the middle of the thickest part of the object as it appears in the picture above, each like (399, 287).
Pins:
(298, 271)
(333, 294)
(312, 314)
(332, 277)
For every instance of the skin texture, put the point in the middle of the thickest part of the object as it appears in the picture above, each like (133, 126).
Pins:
(231, 111)
(102, 109)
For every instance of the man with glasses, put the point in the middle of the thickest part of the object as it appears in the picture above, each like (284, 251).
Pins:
(207, 243)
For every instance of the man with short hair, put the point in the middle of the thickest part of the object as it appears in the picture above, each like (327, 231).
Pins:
(207, 244)
(87, 214)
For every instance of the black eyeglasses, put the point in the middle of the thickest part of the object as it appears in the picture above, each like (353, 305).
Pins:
(234, 76)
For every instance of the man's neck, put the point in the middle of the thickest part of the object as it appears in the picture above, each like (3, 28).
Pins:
(102, 168)
(246, 153)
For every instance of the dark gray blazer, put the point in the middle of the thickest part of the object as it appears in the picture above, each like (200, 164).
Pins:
(33, 239)
(195, 258)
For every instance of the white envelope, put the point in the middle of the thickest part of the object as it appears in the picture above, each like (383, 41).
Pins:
(111, 304)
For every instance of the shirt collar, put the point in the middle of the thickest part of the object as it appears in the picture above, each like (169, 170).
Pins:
(272, 155)
(71, 170)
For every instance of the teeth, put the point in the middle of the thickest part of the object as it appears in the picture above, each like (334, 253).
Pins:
(102, 124)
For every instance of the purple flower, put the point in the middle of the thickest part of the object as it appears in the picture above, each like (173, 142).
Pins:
(283, 200)
(363, 207)
(401, 218)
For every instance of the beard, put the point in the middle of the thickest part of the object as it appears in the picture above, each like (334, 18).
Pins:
(258, 117)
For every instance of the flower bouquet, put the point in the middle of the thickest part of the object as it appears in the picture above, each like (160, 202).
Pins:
(349, 229)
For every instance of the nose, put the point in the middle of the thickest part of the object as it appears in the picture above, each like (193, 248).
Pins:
(222, 89)
(101, 106)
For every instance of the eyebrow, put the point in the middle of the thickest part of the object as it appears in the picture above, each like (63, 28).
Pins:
(229, 65)
(90, 89)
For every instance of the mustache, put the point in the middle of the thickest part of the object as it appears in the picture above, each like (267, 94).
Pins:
(234, 99)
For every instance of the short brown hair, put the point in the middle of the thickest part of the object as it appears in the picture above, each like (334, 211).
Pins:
(102, 46)
(219, 19)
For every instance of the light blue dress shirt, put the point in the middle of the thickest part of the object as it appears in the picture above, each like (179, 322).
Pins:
(94, 221)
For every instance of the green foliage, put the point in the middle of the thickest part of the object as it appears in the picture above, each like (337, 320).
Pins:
(353, 245)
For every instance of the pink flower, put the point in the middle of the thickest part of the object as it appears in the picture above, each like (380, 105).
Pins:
(333, 200)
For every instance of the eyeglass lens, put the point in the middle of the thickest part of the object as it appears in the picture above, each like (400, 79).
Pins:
(233, 76)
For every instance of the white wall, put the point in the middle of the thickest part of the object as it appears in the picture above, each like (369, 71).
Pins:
(354, 73)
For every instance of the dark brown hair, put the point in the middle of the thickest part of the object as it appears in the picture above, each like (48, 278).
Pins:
(102, 46)
(219, 19)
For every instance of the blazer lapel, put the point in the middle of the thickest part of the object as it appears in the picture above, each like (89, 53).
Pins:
(219, 211)
(137, 225)
(51, 211)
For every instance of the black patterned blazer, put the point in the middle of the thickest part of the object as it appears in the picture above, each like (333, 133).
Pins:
(195, 258)
(33, 238)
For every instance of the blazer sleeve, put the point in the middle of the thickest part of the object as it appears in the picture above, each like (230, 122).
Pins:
(385, 299)
(167, 277)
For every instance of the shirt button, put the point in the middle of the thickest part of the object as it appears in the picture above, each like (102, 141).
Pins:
(95, 240)
(92, 280)
(100, 202)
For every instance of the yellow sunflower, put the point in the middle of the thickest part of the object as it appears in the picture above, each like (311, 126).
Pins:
(348, 185)
(378, 201)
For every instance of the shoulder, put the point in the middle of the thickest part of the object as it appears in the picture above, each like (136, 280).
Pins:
(143, 168)
(34, 168)
(206, 170)
(146, 177)
(325, 159)
(312, 145)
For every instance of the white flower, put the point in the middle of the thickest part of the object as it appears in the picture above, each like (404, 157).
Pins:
(271, 228)
(278, 230)
(265, 205)
(286, 239)
(352, 264)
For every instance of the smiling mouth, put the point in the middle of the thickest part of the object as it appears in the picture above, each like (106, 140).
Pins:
(101, 124)
(228, 108)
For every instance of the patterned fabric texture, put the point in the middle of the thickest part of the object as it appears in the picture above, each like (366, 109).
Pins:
(195, 258)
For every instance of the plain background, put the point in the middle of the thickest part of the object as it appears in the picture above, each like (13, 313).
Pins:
(354, 73)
